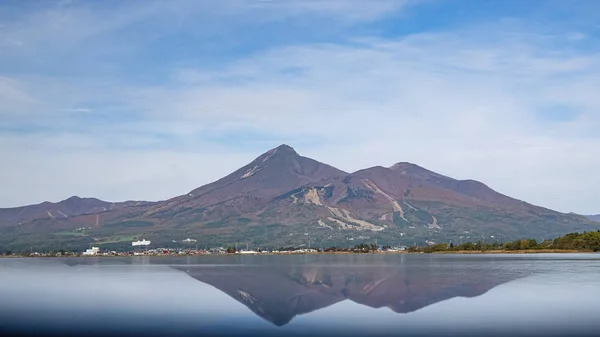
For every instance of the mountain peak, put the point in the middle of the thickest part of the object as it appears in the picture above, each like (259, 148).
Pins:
(403, 165)
(409, 168)
(285, 147)
(282, 149)
(275, 172)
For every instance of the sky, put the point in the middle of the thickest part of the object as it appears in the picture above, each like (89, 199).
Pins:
(147, 100)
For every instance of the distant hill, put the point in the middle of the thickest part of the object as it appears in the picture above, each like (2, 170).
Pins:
(594, 217)
(71, 207)
(284, 199)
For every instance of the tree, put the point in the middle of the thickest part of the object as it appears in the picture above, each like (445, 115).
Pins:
(8, 253)
(467, 246)
(546, 244)
(412, 249)
(451, 245)
(230, 250)
(532, 243)
(440, 247)
(479, 245)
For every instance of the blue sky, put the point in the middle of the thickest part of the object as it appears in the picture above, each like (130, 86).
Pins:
(114, 98)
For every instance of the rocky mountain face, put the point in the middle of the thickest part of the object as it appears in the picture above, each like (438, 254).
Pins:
(284, 199)
(248, 190)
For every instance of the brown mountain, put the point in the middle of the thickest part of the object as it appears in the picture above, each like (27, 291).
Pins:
(282, 198)
(415, 200)
(71, 207)
(248, 190)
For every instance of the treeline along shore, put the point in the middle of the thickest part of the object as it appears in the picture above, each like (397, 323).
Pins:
(569, 243)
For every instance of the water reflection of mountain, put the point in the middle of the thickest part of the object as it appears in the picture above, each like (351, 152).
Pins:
(278, 294)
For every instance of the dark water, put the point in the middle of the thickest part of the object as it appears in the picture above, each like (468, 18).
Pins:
(312, 295)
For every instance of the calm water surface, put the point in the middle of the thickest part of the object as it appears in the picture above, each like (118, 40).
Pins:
(395, 295)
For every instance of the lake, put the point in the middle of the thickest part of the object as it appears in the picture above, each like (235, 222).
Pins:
(305, 295)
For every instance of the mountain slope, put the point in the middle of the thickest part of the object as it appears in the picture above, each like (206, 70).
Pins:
(282, 199)
(248, 189)
(594, 217)
(411, 202)
(71, 207)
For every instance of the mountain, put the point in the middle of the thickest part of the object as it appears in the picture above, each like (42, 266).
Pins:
(70, 207)
(249, 189)
(594, 217)
(284, 199)
(280, 293)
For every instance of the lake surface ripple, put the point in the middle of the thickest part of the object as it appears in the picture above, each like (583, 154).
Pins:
(346, 295)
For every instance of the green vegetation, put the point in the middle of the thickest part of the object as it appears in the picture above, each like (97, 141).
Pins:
(131, 223)
(71, 233)
(124, 238)
(357, 194)
(586, 241)
(360, 248)
(328, 191)
(397, 219)
(421, 215)
(270, 236)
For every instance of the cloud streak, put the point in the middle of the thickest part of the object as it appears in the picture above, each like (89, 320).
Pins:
(472, 101)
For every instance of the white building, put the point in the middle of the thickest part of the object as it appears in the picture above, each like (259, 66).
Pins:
(141, 243)
(247, 252)
(92, 251)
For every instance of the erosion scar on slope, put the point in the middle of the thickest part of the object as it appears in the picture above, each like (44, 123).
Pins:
(323, 224)
(340, 223)
(335, 212)
(347, 215)
(371, 185)
(434, 223)
(362, 223)
(313, 197)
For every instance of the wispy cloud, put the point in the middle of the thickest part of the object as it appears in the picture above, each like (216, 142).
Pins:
(504, 101)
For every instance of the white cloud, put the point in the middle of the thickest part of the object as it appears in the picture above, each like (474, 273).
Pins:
(64, 27)
(13, 96)
(350, 10)
(464, 103)
(53, 168)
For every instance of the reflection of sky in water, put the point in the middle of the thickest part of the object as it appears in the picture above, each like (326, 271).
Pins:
(558, 296)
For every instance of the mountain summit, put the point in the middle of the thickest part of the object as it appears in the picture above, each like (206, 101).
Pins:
(282, 198)
(276, 171)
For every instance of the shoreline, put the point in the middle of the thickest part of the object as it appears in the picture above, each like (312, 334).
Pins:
(533, 251)
(458, 252)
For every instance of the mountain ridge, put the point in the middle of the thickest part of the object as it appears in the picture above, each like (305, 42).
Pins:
(281, 194)
(593, 217)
